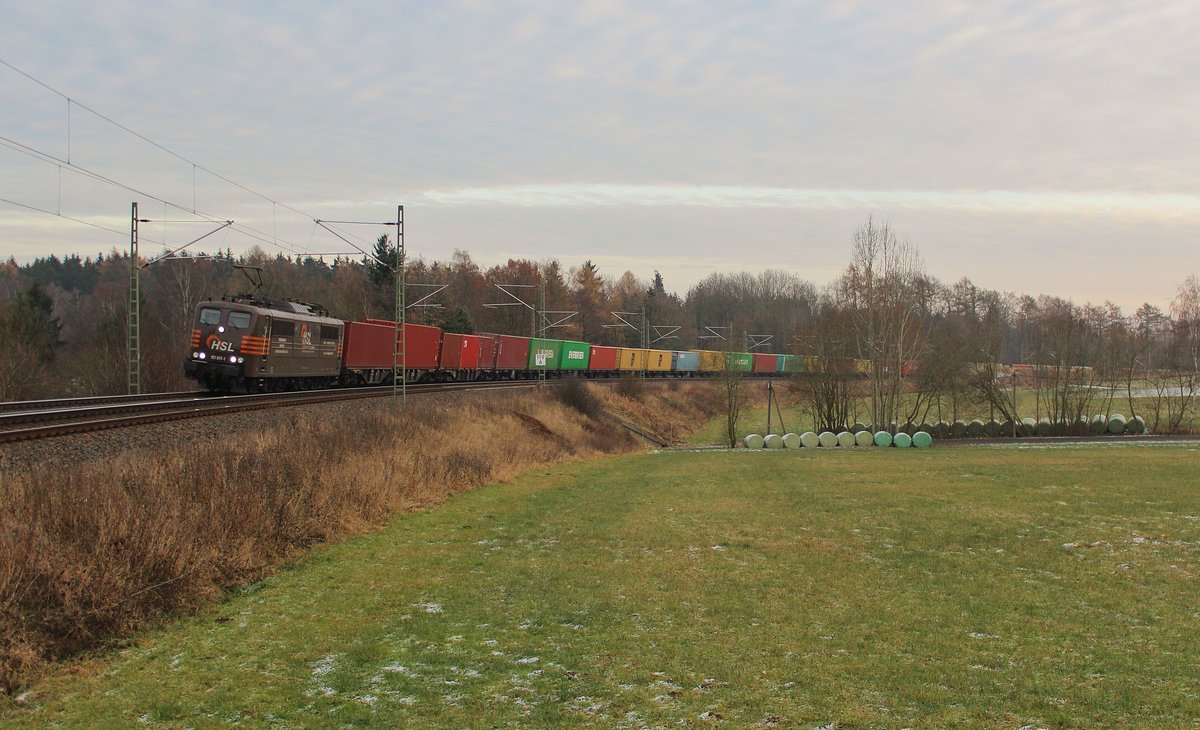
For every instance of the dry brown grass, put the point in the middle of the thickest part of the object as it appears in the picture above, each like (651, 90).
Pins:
(92, 552)
(670, 410)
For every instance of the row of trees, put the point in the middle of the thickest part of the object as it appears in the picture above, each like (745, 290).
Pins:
(960, 343)
(68, 316)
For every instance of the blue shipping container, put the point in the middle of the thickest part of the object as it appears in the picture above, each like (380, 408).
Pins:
(685, 361)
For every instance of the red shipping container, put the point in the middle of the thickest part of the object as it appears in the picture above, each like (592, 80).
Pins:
(487, 352)
(460, 352)
(603, 358)
(765, 363)
(512, 353)
(371, 345)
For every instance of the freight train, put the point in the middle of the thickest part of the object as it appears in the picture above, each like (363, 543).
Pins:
(248, 344)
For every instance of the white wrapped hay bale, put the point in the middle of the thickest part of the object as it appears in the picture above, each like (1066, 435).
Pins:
(809, 440)
(791, 441)
(773, 441)
(828, 439)
(1116, 424)
(845, 438)
(754, 441)
(864, 438)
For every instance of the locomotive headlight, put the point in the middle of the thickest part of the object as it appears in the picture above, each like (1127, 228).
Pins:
(241, 360)
(220, 328)
(195, 355)
(202, 356)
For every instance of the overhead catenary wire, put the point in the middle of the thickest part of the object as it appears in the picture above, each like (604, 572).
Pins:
(265, 237)
(66, 217)
(149, 141)
(93, 175)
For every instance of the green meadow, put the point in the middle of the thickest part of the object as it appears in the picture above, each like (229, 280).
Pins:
(970, 587)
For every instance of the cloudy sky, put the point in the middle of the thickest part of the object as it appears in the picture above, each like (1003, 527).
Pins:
(1041, 147)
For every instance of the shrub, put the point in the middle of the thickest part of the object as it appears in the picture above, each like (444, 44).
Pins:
(574, 392)
(631, 386)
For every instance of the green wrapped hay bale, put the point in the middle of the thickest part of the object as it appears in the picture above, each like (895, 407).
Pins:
(858, 427)
(1043, 427)
(922, 439)
(809, 440)
(958, 429)
(754, 441)
(1116, 424)
(941, 430)
(902, 440)
(1136, 425)
(864, 438)
(883, 438)
(975, 428)
(828, 439)
(1098, 425)
(791, 441)
(991, 429)
(845, 438)
(773, 441)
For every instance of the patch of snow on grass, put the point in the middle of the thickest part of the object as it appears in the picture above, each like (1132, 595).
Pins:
(399, 669)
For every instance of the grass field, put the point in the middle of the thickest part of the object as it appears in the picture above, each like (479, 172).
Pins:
(989, 587)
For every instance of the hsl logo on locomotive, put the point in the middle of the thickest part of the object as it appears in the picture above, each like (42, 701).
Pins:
(215, 343)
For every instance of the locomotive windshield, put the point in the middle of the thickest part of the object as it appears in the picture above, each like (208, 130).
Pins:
(239, 320)
(210, 316)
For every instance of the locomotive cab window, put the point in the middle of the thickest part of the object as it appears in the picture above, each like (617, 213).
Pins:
(283, 328)
(329, 332)
(210, 316)
(239, 320)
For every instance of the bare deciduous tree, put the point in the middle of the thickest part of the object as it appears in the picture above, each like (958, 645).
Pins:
(884, 289)
(731, 381)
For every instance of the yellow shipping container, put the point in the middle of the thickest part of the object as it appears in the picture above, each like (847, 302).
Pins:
(631, 358)
(813, 364)
(711, 361)
(658, 361)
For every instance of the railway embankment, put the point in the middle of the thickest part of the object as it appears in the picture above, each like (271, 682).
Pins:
(104, 533)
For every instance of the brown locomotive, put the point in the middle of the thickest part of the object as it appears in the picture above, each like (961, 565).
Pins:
(253, 345)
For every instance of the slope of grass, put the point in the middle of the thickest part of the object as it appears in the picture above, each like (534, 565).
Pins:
(990, 587)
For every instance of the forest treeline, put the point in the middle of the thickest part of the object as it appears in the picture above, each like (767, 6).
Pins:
(63, 321)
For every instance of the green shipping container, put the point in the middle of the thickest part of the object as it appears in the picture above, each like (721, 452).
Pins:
(790, 364)
(545, 354)
(575, 355)
(742, 362)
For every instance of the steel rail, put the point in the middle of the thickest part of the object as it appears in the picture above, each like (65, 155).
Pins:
(60, 422)
(96, 400)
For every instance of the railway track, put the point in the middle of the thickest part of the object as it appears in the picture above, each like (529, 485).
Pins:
(100, 400)
(120, 412)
